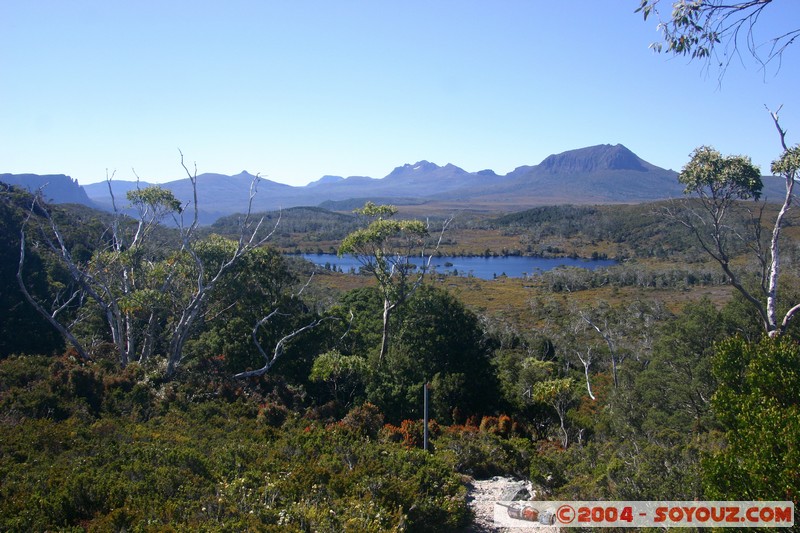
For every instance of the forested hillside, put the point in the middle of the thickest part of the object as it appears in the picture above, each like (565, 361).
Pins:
(208, 382)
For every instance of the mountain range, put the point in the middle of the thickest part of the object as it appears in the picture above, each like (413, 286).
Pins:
(603, 174)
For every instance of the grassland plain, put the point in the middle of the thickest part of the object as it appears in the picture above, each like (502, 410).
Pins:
(511, 298)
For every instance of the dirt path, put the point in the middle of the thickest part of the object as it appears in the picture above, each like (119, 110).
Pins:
(481, 497)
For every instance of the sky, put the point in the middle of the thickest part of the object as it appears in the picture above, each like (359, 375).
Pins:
(297, 89)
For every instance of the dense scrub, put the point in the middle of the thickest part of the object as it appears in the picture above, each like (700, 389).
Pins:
(83, 447)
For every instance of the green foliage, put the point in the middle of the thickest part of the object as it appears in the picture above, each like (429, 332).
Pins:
(306, 228)
(363, 331)
(344, 374)
(711, 175)
(437, 340)
(22, 329)
(91, 445)
(257, 285)
(687, 32)
(642, 276)
(674, 390)
(483, 454)
(333, 366)
(376, 211)
(378, 233)
(624, 230)
(788, 163)
(643, 439)
(696, 28)
(157, 200)
(365, 420)
(758, 405)
(552, 391)
(384, 248)
(202, 460)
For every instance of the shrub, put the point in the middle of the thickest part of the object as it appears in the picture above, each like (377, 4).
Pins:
(502, 426)
(199, 461)
(272, 414)
(365, 420)
(391, 433)
(483, 454)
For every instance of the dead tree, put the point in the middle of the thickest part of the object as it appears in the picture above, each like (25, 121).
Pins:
(604, 329)
(205, 283)
(280, 346)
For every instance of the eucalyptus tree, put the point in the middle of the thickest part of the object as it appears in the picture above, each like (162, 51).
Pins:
(558, 393)
(697, 28)
(139, 285)
(385, 248)
(720, 183)
(109, 277)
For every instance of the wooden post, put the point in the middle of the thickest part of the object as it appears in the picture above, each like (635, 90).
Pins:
(425, 418)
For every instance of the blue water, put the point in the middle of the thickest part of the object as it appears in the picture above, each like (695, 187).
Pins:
(479, 267)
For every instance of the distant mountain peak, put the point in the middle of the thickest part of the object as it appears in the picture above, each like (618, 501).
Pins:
(410, 169)
(56, 188)
(326, 179)
(422, 166)
(594, 159)
(244, 174)
(595, 174)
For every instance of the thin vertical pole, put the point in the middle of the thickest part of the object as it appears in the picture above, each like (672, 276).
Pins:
(425, 419)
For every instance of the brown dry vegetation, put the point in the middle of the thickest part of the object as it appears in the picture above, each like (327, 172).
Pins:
(511, 299)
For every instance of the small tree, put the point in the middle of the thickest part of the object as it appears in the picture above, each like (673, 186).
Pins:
(385, 248)
(344, 374)
(558, 394)
(437, 340)
(720, 183)
(696, 28)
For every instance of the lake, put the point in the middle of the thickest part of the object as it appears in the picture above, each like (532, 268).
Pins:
(479, 267)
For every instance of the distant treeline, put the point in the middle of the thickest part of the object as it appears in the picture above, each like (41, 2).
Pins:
(629, 275)
(643, 228)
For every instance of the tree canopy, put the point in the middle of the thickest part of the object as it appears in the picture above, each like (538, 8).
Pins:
(711, 175)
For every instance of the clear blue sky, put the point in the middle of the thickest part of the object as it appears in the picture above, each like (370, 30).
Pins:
(297, 89)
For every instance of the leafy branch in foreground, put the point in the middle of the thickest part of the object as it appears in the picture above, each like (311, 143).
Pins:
(699, 28)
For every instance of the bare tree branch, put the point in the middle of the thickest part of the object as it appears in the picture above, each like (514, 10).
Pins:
(279, 347)
(205, 284)
(50, 317)
(789, 174)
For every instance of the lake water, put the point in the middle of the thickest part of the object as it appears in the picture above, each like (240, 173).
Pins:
(479, 267)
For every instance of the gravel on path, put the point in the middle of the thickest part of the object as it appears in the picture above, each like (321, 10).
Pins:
(481, 495)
